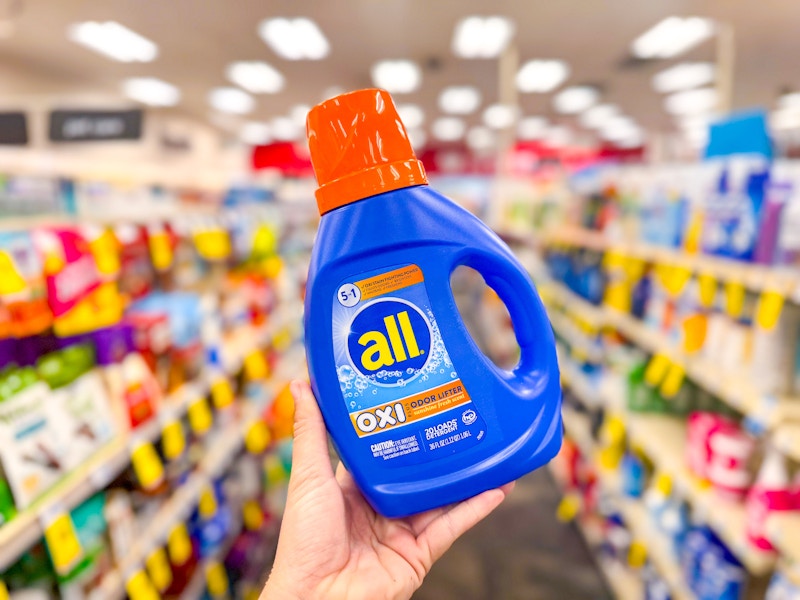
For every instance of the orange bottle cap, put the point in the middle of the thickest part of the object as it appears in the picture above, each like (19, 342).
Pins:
(360, 148)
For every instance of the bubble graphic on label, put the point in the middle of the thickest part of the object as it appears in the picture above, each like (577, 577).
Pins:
(374, 391)
(453, 374)
(352, 404)
(441, 370)
(410, 371)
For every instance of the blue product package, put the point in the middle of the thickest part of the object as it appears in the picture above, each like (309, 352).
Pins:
(418, 415)
(711, 570)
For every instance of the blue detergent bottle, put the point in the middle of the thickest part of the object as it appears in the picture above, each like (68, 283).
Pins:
(418, 414)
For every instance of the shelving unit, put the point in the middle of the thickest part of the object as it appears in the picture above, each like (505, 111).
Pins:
(663, 439)
(753, 276)
(226, 445)
(25, 528)
(737, 389)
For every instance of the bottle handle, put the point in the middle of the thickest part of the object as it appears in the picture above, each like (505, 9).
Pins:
(532, 328)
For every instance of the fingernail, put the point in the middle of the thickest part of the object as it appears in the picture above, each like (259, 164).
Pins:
(296, 388)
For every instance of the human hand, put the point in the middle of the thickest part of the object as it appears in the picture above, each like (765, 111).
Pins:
(333, 545)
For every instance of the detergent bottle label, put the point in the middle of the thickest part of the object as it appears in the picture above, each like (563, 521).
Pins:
(394, 370)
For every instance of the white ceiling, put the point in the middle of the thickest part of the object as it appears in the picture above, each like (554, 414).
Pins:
(198, 38)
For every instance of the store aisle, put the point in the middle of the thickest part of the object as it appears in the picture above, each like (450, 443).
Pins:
(521, 552)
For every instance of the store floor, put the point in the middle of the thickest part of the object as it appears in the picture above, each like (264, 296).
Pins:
(521, 552)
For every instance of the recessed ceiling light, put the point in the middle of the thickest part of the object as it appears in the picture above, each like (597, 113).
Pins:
(684, 76)
(299, 113)
(151, 91)
(690, 102)
(619, 128)
(231, 100)
(448, 129)
(482, 37)
(596, 116)
(558, 135)
(255, 134)
(256, 77)
(294, 39)
(411, 115)
(532, 128)
(789, 100)
(459, 100)
(672, 36)
(114, 41)
(481, 138)
(285, 129)
(396, 76)
(575, 99)
(500, 116)
(785, 119)
(542, 76)
(417, 138)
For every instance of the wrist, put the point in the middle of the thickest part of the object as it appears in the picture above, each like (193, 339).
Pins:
(276, 589)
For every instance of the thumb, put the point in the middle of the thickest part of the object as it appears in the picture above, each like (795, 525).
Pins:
(310, 457)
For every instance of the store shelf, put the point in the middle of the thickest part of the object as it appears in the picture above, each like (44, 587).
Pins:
(753, 276)
(633, 511)
(577, 339)
(226, 445)
(764, 411)
(25, 528)
(784, 532)
(787, 439)
(198, 583)
(663, 439)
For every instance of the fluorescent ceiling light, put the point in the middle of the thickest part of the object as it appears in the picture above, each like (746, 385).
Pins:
(542, 76)
(597, 116)
(500, 116)
(255, 134)
(294, 39)
(256, 77)
(672, 36)
(482, 37)
(691, 102)
(575, 99)
(448, 129)
(790, 100)
(684, 76)
(151, 91)
(532, 128)
(299, 114)
(114, 41)
(619, 128)
(396, 76)
(558, 136)
(411, 115)
(231, 100)
(785, 118)
(459, 100)
(417, 138)
(285, 129)
(481, 138)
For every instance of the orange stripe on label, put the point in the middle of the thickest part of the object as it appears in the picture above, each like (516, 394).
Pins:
(407, 410)
(389, 282)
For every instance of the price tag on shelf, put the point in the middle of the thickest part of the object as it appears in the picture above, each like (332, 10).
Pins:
(282, 340)
(253, 515)
(208, 503)
(3, 591)
(173, 440)
(179, 545)
(637, 554)
(708, 289)
(221, 393)
(61, 539)
(770, 305)
(160, 248)
(568, 508)
(657, 369)
(734, 299)
(677, 280)
(255, 366)
(200, 417)
(147, 465)
(673, 381)
(158, 569)
(139, 587)
(213, 244)
(216, 580)
(257, 437)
